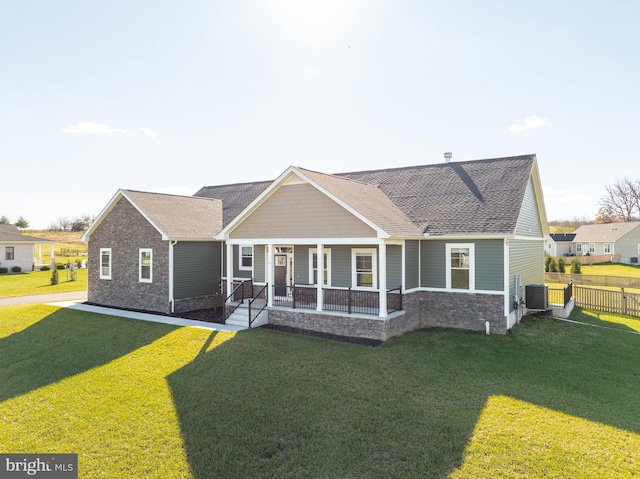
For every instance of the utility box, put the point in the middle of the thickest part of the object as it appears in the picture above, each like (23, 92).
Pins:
(537, 296)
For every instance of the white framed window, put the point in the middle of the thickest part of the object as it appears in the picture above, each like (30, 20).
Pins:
(105, 263)
(578, 247)
(245, 257)
(460, 269)
(607, 248)
(638, 248)
(9, 253)
(313, 266)
(364, 268)
(592, 248)
(145, 265)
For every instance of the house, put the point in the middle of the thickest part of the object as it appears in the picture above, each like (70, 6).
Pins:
(621, 239)
(21, 250)
(369, 254)
(560, 244)
(154, 252)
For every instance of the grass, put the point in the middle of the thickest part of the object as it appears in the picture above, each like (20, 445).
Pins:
(39, 282)
(137, 399)
(610, 269)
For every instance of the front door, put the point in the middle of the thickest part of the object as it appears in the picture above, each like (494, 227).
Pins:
(280, 273)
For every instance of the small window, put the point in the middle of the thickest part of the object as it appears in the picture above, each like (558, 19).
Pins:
(9, 253)
(246, 257)
(313, 266)
(592, 248)
(607, 248)
(146, 265)
(364, 270)
(460, 272)
(105, 263)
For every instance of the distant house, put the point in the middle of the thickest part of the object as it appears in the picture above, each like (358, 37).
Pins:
(609, 239)
(560, 244)
(369, 254)
(21, 250)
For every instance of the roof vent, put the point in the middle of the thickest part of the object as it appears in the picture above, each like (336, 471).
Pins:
(447, 156)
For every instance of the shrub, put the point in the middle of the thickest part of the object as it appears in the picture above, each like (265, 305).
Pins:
(550, 265)
(45, 268)
(61, 266)
(576, 266)
(16, 269)
(4, 270)
(54, 277)
(561, 264)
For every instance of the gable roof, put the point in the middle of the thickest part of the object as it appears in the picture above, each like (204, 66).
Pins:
(470, 197)
(175, 217)
(563, 237)
(457, 198)
(11, 234)
(603, 233)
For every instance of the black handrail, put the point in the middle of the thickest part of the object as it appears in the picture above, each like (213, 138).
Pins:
(264, 289)
(241, 285)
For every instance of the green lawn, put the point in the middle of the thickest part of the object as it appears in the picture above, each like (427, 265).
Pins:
(609, 269)
(137, 399)
(39, 282)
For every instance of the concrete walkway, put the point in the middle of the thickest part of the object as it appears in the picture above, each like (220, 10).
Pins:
(76, 301)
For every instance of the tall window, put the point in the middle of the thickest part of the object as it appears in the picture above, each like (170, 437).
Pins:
(313, 266)
(105, 263)
(607, 248)
(460, 273)
(9, 253)
(364, 270)
(578, 247)
(592, 248)
(146, 265)
(246, 257)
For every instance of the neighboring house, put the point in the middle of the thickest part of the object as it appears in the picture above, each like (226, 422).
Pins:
(403, 248)
(21, 250)
(609, 239)
(560, 244)
(154, 252)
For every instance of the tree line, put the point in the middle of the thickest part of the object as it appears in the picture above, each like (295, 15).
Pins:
(620, 203)
(78, 223)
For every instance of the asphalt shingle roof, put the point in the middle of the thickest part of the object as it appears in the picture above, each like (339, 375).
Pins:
(607, 232)
(470, 197)
(11, 233)
(177, 216)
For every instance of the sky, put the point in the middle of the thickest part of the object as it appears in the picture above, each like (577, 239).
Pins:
(172, 96)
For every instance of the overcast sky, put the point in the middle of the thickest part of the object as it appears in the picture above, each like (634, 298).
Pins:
(173, 96)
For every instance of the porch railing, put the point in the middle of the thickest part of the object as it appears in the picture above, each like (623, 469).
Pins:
(344, 300)
(237, 296)
(262, 294)
(561, 296)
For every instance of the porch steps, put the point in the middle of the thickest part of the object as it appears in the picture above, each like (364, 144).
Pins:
(240, 317)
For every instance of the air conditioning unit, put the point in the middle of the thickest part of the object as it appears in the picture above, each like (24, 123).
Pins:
(537, 296)
(634, 260)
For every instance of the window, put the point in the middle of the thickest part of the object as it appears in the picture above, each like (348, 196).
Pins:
(578, 247)
(313, 266)
(105, 263)
(363, 267)
(9, 253)
(592, 248)
(146, 265)
(460, 273)
(607, 248)
(246, 257)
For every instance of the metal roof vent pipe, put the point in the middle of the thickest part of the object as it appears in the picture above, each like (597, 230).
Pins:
(447, 156)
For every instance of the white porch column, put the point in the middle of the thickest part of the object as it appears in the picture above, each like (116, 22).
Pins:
(270, 274)
(320, 277)
(229, 254)
(382, 279)
(53, 256)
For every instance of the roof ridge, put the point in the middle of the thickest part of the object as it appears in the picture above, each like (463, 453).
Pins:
(337, 176)
(168, 194)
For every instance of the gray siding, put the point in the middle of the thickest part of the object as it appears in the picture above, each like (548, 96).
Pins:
(301, 264)
(490, 265)
(394, 266)
(196, 269)
(412, 264)
(432, 264)
(259, 266)
(341, 266)
(529, 223)
(237, 272)
(526, 258)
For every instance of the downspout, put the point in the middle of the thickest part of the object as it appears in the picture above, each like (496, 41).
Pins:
(171, 300)
(507, 283)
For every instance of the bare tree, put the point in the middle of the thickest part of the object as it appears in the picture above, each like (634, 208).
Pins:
(64, 223)
(621, 200)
